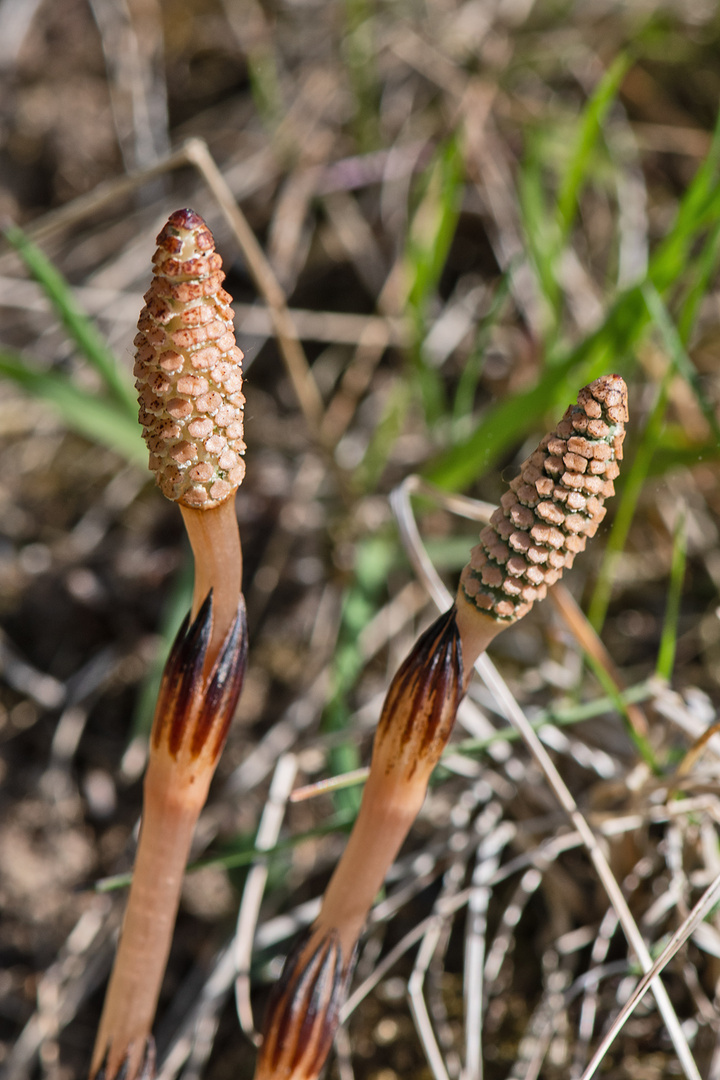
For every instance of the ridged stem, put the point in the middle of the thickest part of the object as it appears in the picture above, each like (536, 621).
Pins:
(386, 815)
(390, 804)
(416, 721)
(215, 541)
(170, 814)
(476, 631)
(189, 382)
(191, 721)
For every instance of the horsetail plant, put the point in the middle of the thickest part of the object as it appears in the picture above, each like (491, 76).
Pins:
(544, 521)
(189, 379)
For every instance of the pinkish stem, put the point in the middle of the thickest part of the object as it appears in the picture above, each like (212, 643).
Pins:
(170, 813)
(215, 541)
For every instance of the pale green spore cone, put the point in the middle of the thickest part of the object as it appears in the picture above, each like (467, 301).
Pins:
(553, 506)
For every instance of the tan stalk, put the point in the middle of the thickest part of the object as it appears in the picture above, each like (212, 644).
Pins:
(215, 541)
(553, 506)
(189, 378)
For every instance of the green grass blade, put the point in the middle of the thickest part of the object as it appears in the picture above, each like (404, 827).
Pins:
(609, 348)
(559, 717)
(430, 236)
(511, 419)
(579, 167)
(699, 208)
(668, 640)
(678, 452)
(80, 328)
(433, 226)
(620, 704)
(706, 266)
(541, 231)
(680, 359)
(368, 472)
(374, 557)
(92, 417)
(470, 375)
(340, 822)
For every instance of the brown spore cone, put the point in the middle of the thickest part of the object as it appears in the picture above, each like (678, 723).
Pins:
(552, 507)
(189, 369)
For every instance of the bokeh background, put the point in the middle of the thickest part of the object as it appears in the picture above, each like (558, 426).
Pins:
(471, 209)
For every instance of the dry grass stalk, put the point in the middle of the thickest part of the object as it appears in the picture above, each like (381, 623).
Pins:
(189, 378)
(553, 506)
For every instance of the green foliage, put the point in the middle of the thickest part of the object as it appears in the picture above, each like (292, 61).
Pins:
(242, 852)
(374, 558)
(613, 345)
(653, 438)
(109, 418)
(579, 168)
(360, 55)
(542, 231)
(428, 243)
(82, 331)
(470, 375)
(98, 419)
(668, 640)
(384, 437)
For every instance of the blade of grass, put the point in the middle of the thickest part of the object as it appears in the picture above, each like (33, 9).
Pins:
(668, 640)
(340, 822)
(547, 231)
(699, 207)
(433, 225)
(611, 689)
(511, 419)
(579, 167)
(373, 561)
(607, 348)
(94, 418)
(541, 230)
(368, 472)
(360, 55)
(470, 374)
(705, 269)
(576, 714)
(652, 439)
(679, 452)
(81, 329)
(429, 239)
(675, 348)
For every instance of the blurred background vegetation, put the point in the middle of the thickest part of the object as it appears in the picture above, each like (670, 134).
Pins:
(472, 209)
